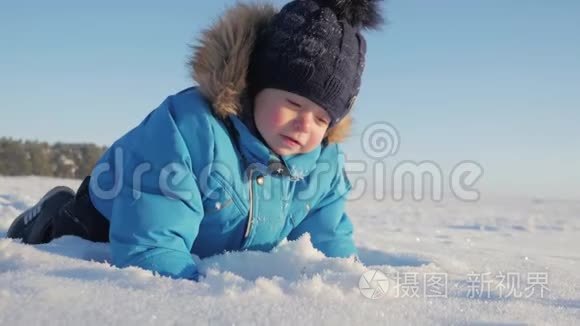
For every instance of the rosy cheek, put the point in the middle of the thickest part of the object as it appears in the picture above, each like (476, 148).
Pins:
(277, 118)
(319, 138)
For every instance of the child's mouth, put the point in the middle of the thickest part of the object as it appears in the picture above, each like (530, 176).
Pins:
(290, 141)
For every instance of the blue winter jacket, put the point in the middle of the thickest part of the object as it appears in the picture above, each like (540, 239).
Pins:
(182, 183)
(191, 179)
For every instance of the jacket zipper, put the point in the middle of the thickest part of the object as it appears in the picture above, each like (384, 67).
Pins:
(250, 210)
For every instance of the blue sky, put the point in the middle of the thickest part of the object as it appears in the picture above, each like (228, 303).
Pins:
(497, 82)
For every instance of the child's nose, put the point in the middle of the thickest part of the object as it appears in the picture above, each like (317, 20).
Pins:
(303, 121)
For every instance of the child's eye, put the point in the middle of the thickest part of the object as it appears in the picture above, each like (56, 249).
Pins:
(293, 103)
(322, 120)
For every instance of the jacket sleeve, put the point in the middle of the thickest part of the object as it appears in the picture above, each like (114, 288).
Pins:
(156, 231)
(330, 228)
(155, 217)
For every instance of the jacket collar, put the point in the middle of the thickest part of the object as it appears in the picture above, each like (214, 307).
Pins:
(258, 154)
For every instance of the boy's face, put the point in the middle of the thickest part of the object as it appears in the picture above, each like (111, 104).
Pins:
(290, 123)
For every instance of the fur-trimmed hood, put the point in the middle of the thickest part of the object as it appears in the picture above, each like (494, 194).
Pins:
(220, 61)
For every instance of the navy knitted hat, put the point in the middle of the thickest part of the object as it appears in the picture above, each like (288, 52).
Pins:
(314, 48)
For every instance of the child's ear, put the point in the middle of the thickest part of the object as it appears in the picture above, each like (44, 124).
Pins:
(340, 131)
(325, 138)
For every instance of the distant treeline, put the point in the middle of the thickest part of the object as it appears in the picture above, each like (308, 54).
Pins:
(18, 157)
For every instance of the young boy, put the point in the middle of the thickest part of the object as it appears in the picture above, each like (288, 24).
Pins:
(247, 158)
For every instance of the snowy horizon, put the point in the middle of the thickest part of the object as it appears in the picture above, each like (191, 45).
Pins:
(492, 262)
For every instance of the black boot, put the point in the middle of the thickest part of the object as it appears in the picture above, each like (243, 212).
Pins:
(79, 217)
(61, 212)
(34, 225)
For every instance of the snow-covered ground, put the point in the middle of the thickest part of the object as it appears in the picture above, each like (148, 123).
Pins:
(496, 261)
